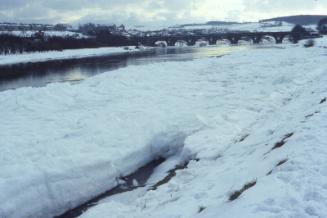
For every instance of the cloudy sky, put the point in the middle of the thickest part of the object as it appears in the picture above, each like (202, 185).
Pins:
(153, 12)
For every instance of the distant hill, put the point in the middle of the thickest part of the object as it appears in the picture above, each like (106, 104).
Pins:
(217, 23)
(298, 19)
(211, 23)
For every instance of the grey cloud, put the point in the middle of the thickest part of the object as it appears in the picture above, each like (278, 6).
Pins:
(162, 11)
(283, 6)
(13, 4)
(82, 4)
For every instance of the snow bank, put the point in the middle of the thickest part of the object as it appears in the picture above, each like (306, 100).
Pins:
(271, 133)
(61, 55)
(63, 144)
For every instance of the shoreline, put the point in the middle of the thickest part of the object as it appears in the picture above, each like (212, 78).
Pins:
(37, 57)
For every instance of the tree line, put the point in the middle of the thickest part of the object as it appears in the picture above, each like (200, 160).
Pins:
(322, 26)
(39, 42)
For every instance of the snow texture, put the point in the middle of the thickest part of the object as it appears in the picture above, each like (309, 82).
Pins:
(63, 144)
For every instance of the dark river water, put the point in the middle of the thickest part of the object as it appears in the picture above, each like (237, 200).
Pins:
(41, 74)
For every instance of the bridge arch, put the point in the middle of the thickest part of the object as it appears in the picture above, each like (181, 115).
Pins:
(267, 39)
(191, 41)
(233, 38)
(223, 42)
(202, 42)
(196, 41)
(280, 37)
(146, 42)
(181, 43)
(245, 40)
(288, 39)
(161, 43)
(171, 41)
(212, 40)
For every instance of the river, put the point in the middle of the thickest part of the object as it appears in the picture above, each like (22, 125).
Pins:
(75, 70)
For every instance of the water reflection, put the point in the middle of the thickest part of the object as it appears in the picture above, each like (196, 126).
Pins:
(41, 74)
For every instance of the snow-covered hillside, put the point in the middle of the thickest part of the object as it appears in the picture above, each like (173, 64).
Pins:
(252, 27)
(252, 124)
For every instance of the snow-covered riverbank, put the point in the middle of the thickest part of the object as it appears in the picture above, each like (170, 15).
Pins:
(63, 144)
(65, 54)
(272, 167)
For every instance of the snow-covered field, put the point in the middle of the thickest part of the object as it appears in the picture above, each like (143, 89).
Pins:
(65, 54)
(252, 27)
(253, 116)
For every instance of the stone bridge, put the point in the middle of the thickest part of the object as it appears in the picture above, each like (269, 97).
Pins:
(232, 37)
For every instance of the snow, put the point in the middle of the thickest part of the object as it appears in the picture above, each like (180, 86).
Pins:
(65, 54)
(63, 144)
